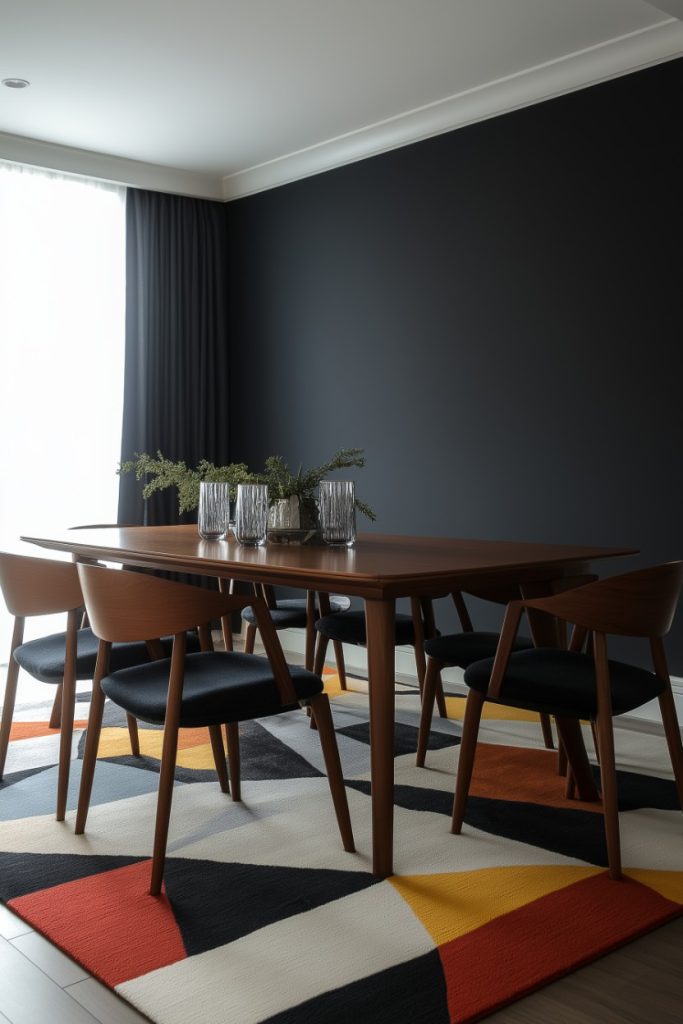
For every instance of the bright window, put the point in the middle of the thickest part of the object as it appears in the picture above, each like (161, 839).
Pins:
(62, 294)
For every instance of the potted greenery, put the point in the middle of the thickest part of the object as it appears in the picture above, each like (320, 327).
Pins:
(292, 495)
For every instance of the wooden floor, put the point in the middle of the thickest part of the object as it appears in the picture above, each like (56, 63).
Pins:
(641, 983)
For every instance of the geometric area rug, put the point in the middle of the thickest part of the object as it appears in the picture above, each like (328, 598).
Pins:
(264, 917)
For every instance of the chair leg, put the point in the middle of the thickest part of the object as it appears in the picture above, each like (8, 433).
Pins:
(219, 757)
(547, 731)
(68, 706)
(570, 784)
(562, 762)
(169, 753)
(420, 663)
(441, 699)
(328, 741)
(667, 708)
(309, 656)
(595, 741)
(92, 741)
(233, 741)
(580, 777)
(10, 693)
(166, 778)
(310, 630)
(608, 774)
(133, 734)
(673, 738)
(226, 587)
(226, 630)
(468, 747)
(320, 652)
(610, 801)
(249, 638)
(318, 666)
(428, 693)
(341, 665)
(56, 713)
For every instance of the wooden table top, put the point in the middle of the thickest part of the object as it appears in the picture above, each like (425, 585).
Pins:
(379, 566)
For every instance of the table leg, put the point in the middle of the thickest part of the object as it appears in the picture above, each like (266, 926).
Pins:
(380, 625)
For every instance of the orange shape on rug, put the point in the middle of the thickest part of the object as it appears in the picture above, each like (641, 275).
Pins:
(522, 774)
(32, 730)
(108, 922)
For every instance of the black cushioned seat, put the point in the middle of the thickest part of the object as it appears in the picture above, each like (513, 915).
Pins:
(290, 613)
(349, 628)
(219, 687)
(562, 683)
(44, 658)
(462, 649)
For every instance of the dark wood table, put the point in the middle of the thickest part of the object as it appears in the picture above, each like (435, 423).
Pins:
(379, 569)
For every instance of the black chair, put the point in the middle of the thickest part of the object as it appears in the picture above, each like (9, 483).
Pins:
(295, 613)
(43, 586)
(193, 690)
(348, 627)
(458, 650)
(574, 686)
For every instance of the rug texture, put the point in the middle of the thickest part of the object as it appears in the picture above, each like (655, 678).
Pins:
(264, 917)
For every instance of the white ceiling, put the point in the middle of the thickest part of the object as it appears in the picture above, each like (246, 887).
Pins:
(225, 97)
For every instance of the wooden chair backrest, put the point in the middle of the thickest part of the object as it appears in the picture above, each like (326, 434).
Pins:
(38, 586)
(498, 594)
(128, 606)
(639, 604)
(503, 593)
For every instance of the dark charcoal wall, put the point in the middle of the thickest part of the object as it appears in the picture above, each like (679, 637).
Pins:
(494, 315)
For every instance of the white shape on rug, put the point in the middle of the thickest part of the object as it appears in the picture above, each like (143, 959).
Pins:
(285, 963)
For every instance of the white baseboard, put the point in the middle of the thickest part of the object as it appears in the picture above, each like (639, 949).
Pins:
(645, 718)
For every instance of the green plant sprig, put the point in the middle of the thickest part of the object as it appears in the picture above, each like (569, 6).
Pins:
(281, 482)
(165, 473)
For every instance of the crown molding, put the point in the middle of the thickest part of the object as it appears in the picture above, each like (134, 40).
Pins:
(118, 170)
(616, 57)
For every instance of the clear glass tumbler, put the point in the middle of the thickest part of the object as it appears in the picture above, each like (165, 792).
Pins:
(214, 510)
(251, 514)
(338, 512)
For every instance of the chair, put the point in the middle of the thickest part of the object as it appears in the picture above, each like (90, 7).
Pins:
(458, 650)
(193, 690)
(348, 627)
(574, 686)
(296, 613)
(42, 586)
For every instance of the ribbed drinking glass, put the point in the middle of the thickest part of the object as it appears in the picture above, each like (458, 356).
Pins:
(214, 510)
(338, 513)
(251, 514)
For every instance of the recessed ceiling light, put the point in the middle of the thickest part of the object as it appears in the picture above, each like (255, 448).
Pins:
(15, 83)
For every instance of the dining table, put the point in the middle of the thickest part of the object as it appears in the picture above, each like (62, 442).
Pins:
(379, 569)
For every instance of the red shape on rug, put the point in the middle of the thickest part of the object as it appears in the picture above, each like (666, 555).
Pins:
(108, 923)
(529, 947)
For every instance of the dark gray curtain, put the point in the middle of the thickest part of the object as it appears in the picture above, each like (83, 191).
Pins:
(176, 362)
